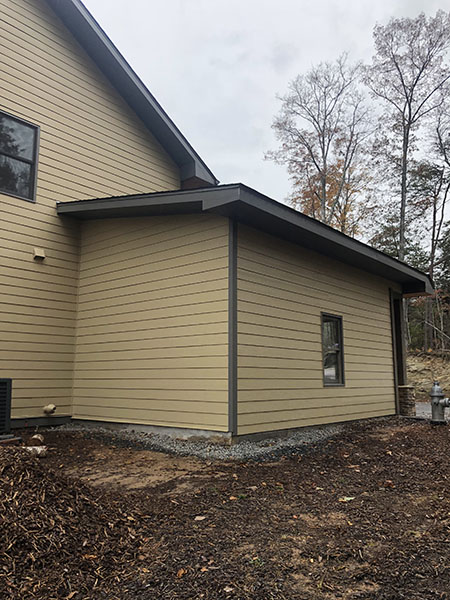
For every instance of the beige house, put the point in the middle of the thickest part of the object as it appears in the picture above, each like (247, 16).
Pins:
(136, 290)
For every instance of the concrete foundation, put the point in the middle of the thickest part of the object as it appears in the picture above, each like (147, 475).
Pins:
(39, 422)
(218, 437)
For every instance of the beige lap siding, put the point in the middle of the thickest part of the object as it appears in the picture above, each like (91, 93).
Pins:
(282, 289)
(152, 334)
(91, 144)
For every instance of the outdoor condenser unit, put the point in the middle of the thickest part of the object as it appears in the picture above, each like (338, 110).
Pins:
(5, 407)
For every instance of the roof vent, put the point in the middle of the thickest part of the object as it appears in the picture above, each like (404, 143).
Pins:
(5, 406)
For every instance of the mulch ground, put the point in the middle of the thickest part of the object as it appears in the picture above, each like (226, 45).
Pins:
(365, 515)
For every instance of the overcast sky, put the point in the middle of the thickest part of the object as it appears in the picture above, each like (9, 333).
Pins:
(216, 66)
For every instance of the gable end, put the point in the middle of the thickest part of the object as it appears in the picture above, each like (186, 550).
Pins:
(96, 43)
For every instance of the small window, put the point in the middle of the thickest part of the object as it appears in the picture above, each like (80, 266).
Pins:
(332, 350)
(18, 153)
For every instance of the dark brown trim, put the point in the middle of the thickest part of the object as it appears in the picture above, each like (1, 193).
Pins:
(156, 203)
(39, 422)
(32, 162)
(394, 351)
(8, 384)
(399, 345)
(232, 327)
(247, 206)
(36, 161)
(340, 320)
(110, 61)
(285, 433)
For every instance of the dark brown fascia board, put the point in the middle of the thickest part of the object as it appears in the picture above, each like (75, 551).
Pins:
(110, 61)
(136, 205)
(261, 212)
(243, 204)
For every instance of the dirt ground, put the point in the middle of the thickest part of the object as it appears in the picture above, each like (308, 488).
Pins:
(423, 369)
(364, 515)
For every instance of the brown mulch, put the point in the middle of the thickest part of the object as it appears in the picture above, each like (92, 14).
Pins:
(366, 515)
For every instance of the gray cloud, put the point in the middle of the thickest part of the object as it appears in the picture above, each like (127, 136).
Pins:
(217, 65)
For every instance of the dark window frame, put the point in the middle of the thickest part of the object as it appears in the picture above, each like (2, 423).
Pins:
(33, 162)
(340, 320)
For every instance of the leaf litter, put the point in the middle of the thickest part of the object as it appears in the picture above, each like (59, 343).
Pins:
(281, 536)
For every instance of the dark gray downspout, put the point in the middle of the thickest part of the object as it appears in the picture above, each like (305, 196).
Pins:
(232, 328)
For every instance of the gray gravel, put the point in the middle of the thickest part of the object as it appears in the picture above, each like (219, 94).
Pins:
(297, 442)
(423, 410)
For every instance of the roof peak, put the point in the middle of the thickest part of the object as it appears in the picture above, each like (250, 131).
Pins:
(114, 66)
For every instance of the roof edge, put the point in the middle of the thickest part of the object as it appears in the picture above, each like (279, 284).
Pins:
(242, 203)
(331, 231)
(89, 34)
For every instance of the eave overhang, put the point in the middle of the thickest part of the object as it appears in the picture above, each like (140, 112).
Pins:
(99, 47)
(245, 205)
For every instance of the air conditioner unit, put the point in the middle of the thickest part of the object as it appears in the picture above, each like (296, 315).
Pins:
(5, 407)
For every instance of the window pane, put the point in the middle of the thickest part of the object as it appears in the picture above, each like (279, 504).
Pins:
(330, 368)
(332, 350)
(16, 138)
(330, 337)
(15, 177)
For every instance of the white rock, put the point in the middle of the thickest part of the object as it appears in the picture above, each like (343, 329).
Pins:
(37, 450)
(37, 439)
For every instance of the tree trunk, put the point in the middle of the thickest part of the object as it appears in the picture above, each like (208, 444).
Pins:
(402, 244)
(428, 332)
(323, 185)
(404, 166)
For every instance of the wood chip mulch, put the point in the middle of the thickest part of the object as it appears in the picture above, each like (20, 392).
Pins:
(364, 516)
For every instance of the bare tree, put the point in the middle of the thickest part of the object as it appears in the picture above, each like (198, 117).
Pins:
(439, 201)
(322, 125)
(409, 73)
(428, 202)
(429, 191)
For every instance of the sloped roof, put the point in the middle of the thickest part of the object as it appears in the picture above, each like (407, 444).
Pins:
(246, 205)
(110, 61)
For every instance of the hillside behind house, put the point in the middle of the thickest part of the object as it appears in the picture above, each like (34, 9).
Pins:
(423, 369)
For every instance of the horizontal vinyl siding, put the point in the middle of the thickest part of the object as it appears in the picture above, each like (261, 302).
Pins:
(152, 329)
(282, 290)
(91, 144)
(37, 305)
(90, 138)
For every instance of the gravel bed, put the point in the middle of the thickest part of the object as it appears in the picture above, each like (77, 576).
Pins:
(423, 411)
(298, 442)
